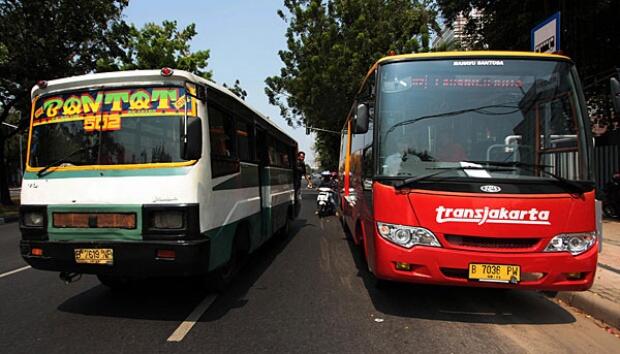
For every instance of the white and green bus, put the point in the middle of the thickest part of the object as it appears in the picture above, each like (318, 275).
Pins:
(150, 173)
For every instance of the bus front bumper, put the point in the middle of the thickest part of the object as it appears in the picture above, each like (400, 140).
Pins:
(133, 259)
(539, 271)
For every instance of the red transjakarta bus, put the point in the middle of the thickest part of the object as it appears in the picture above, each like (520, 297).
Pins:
(472, 169)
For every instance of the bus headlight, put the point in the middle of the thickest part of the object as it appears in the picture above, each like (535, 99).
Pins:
(407, 236)
(33, 219)
(575, 243)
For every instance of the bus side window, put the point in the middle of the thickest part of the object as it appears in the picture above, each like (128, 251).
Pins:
(244, 138)
(271, 151)
(222, 136)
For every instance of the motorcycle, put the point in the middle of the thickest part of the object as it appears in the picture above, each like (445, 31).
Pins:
(325, 201)
(611, 203)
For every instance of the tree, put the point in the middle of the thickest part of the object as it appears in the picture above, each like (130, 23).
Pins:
(155, 47)
(237, 90)
(48, 39)
(589, 35)
(330, 47)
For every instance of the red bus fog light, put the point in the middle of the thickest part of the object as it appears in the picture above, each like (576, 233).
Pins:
(403, 266)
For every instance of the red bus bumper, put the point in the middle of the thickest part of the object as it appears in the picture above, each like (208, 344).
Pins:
(442, 266)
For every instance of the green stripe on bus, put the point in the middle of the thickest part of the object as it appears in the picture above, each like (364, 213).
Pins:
(164, 171)
(248, 177)
(221, 239)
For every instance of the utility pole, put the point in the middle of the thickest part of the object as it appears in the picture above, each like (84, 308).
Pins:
(21, 160)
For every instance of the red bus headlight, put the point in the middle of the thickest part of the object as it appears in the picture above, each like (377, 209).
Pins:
(407, 236)
(576, 243)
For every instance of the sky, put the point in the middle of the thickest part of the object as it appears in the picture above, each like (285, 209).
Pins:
(243, 36)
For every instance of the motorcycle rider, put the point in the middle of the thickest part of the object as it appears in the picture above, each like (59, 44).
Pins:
(327, 186)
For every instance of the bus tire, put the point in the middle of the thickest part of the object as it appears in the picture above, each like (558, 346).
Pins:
(115, 282)
(223, 276)
(285, 230)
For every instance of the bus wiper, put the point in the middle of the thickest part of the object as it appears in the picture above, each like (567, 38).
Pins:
(63, 159)
(568, 184)
(412, 180)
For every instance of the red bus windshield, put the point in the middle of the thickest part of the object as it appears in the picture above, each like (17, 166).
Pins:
(437, 114)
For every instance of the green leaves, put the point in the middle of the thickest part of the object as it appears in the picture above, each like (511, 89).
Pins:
(156, 46)
(330, 47)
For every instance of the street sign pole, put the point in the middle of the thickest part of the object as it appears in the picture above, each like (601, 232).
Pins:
(21, 160)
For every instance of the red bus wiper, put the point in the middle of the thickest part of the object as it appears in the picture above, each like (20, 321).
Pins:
(412, 180)
(569, 185)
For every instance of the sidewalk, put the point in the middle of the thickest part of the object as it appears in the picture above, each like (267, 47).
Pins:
(602, 301)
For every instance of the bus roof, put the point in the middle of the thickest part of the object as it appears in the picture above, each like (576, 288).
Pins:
(466, 54)
(141, 77)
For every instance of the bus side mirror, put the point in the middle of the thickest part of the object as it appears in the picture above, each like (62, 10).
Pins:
(193, 147)
(361, 119)
(615, 94)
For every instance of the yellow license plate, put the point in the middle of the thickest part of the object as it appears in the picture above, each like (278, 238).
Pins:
(94, 255)
(495, 272)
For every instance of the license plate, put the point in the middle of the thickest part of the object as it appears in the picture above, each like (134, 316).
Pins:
(495, 272)
(94, 256)
(323, 197)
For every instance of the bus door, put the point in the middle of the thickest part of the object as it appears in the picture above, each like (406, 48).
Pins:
(263, 182)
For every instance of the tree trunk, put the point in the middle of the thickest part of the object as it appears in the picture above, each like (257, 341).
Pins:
(5, 195)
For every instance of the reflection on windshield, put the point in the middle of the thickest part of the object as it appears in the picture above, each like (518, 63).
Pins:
(439, 114)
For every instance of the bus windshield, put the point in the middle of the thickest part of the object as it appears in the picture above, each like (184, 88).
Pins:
(109, 127)
(443, 113)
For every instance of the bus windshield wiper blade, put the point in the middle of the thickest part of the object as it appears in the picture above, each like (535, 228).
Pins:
(568, 184)
(62, 160)
(412, 180)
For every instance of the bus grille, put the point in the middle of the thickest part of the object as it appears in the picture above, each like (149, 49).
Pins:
(94, 220)
(492, 243)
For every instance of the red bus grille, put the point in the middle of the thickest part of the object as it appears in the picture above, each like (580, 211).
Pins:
(492, 243)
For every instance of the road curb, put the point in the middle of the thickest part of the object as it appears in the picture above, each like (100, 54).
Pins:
(594, 305)
(8, 219)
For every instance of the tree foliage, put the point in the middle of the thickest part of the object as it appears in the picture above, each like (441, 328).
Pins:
(47, 39)
(589, 35)
(506, 25)
(330, 47)
(237, 90)
(156, 46)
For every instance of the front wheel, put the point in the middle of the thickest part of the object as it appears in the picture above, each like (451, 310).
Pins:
(610, 211)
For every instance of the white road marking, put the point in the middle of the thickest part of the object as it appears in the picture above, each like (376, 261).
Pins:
(14, 271)
(191, 320)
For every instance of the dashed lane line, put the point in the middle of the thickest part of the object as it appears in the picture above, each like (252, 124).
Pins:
(14, 271)
(191, 320)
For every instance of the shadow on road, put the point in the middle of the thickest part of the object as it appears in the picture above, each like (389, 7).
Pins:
(235, 296)
(459, 304)
(172, 299)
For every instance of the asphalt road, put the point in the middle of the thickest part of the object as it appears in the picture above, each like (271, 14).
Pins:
(309, 292)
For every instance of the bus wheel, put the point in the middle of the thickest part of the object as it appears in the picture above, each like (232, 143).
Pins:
(286, 228)
(115, 282)
(222, 277)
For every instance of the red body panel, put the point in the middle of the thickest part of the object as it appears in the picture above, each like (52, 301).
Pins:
(510, 229)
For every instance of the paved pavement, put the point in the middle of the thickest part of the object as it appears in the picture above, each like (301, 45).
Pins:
(309, 292)
(603, 300)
